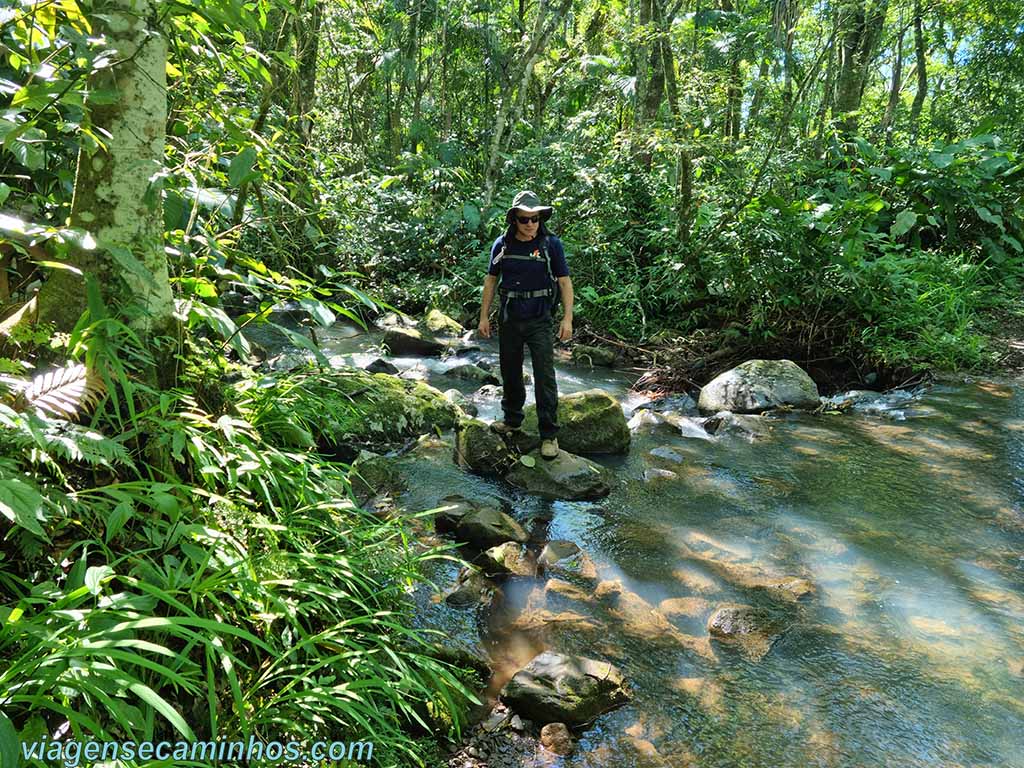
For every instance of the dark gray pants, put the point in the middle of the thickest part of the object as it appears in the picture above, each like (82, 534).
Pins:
(538, 334)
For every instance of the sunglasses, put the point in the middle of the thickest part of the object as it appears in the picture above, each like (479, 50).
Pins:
(527, 219)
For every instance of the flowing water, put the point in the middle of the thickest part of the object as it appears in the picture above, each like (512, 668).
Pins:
(904, 522)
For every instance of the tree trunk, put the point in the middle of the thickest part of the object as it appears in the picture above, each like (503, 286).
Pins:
(860, 28)
(758, 100)
(889, 118)
(304, 96)
(113, 198)
(921, 55)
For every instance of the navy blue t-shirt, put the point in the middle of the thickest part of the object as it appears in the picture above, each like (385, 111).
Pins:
(532, 275)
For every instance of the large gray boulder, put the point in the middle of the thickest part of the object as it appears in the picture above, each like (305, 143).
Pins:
(409, 341)
(588, 422)
(554, 688)
(480, 450)
(564, 477)
(759, 385)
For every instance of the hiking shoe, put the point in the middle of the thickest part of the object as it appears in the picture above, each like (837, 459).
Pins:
(549, 448)
(505, 429)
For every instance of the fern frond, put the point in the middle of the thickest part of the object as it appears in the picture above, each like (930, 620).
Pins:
(64, 392)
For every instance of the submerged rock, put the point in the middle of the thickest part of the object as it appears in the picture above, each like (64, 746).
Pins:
(562, 556)
(372, 474)
(751, 630)
(437, 321)
(589, 422)
(725, 423)
(555, 737)
(509, 559)
(409, 341)
(655, 475)
(554, 688)
(667, 454)
(564, 477)
(759, 385)
(473, 590)
(480, 450)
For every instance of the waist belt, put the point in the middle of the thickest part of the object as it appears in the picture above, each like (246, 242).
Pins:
(543, 292)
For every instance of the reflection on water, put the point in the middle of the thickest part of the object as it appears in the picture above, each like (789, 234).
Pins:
(891, 552)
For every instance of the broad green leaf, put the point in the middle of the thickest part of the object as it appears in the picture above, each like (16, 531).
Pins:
(5, 191)
(21, 504)
(150, 696)
(241, 167)
(940, 159)
(95, 576)
(303, 342)
(10, 744)
(528, 461)
(120, 515)
(319, 311)
(904, 222)
(986, 215)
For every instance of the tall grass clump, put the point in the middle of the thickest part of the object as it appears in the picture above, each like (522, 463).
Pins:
(167, 572)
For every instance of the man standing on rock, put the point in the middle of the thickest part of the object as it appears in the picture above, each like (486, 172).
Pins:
(534, 274)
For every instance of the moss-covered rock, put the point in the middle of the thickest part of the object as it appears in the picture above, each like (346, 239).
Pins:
(759, 385)
(480, 450)
(344, 407)
(589, 422)
(437, 321)
(372, 474)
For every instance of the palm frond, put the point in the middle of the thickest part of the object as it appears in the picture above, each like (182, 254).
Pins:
(63, 392)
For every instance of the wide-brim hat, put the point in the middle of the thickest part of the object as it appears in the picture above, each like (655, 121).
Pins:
(528, 202)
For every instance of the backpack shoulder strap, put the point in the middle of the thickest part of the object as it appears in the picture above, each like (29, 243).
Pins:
(501, 253)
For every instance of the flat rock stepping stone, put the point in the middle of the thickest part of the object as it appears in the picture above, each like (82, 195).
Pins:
(554, 688)
(564, 477)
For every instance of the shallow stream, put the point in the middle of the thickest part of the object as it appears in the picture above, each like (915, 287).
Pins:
(906, 520)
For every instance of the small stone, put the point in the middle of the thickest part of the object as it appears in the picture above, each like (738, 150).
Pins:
(654, 475)
(517, 724)
(555, 737)
(667, 454)
(381, 366)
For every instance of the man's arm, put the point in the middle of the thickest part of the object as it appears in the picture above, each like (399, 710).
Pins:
(565, 289)
(484, 326)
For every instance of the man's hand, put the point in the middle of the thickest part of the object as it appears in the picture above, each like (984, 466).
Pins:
(565, 329)
(484, 328)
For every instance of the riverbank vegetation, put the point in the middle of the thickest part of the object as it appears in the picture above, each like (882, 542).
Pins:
(839, 183)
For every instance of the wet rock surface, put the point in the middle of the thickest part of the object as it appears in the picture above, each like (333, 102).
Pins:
(564, 477)
(480, 450)
(555, 688)
(410, 341)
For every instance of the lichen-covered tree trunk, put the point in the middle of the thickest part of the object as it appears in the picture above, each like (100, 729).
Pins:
(113, 200)
(860, 27)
